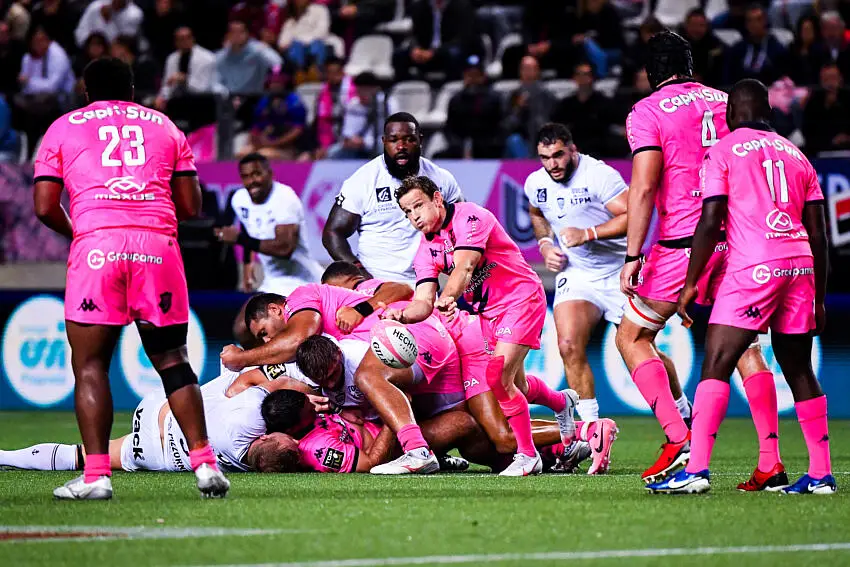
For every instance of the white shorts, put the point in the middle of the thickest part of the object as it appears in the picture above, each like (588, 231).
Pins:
(175, 448)
(281, 286)
(142, 448)
(603, 293)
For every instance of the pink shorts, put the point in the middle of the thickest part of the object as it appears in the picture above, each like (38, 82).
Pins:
(663, 274)
(438, 358)
(519, 324)
(474, 350)
(373, 429)
(778, 294)
(116, 277)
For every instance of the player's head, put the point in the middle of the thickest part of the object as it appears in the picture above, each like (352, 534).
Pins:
(108, 78)
(556, 151)
(321, 360)
(748, 102)
(422, 203)
(256, 174)
(669, 57)
(402, 144)
(273, 453)
(264, 315)
(287, 411)
(342, 274)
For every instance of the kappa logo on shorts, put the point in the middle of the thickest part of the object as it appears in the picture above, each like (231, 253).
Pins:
(504, 332)
(165, 301)
(541, 195)
(88, 306)
(426, 356)
(333, 459)
(753, 312)
(761, 274)
(383, 194)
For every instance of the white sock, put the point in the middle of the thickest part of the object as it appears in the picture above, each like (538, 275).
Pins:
(42, 457)
(684, 407)
(588, 409)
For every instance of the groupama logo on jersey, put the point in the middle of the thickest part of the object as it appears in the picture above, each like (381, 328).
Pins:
(36, 354)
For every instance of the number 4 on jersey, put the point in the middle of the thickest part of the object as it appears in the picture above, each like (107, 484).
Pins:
(128, 132)
(709, 132)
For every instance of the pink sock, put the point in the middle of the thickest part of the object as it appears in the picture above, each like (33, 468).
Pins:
(761, 394)
(651, 379)
(516, 410)
(494, 378)
(410, 437)
(552, 452)
(202, 456)
(710, 403)
(813, 422)
(96, 466)
(539, 392)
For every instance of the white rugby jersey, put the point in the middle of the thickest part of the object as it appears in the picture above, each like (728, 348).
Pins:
(387, 240)
(259, 220)
(580, 203)
(349, 396)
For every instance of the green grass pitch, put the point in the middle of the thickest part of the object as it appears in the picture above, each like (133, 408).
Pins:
(470, 518)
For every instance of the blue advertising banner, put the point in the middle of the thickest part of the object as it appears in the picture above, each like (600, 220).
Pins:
(36, 370)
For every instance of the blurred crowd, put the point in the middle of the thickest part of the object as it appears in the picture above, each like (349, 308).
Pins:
(314, 79)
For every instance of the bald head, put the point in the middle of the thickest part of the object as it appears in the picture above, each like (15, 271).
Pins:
(748, 102)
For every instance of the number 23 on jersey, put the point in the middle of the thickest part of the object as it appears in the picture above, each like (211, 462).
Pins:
(133, 157)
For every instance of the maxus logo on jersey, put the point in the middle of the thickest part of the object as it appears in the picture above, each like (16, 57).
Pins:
(97, 258)
(36, 355)
(125, 189)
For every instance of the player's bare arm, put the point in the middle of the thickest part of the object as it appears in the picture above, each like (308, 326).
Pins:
(465, 262)
(554, 259)
(614, 228)
(814, 220)
(278, 349)
(417, 310)
(281, 246)
(347, 318)
(340, 226)
(646, 173)
(257, 377)
(47, 199)
(186, 194)
(706, 236)
(378, 452)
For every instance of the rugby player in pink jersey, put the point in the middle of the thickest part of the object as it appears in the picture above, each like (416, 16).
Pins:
(488, 270)
(130, 176)
(767, 193)
(669, 132)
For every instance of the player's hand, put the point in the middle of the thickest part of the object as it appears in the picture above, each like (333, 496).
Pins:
(391, 313)
(820, 318)
(320, 403)
(554, 259)
(227, 234)
(447, 306)
(230, 357)
(628, 277)
(573, 236)
(347, 319)
(686, 297)
(249, 279)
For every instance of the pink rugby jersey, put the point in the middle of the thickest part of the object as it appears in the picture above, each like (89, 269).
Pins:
(682, 119)
(326, 300)
(332, 446)
(116, 160)
(768, 181)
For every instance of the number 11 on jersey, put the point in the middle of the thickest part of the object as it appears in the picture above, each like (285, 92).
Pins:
(783, 182)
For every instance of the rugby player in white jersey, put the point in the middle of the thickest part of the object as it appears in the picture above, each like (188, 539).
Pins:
(366, 205)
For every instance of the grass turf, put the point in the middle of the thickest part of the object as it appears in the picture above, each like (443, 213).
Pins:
(360, 516)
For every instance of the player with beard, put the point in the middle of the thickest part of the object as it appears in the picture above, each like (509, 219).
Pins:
(366, 204)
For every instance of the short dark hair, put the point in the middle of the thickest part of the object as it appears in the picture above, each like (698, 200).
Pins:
(367, 79)
(315, 357)
(334, 60)
(416, 182)
(281, 410)
(258, 306)
(108, 78)
(269, 457)
(340, 269)
(695, 12)
(552, 132)
(129, 42)
(753, 95)
(254, 157)
(403, 117)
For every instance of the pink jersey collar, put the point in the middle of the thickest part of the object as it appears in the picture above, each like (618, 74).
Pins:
(450, 213)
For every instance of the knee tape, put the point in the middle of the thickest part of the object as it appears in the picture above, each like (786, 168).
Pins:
(176, 377)
(643, 315)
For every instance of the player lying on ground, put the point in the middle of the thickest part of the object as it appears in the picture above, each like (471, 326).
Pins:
(767, 194)
(466, 331)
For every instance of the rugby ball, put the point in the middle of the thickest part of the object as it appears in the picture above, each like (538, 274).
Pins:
(393, 344)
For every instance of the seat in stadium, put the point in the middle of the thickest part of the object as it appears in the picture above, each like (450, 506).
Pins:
(783, 36)
(400, 25)
(728, 37)
(494, 70)
(371, 53)
(435, 144)
(437, 117)
(411, 96)
(714, 8)
(561, 88)
(309, 92)
(608, 87)
(505, 87)
(671, 13)
(336, 44)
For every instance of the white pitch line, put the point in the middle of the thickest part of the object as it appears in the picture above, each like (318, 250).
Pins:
(111, 533)
(557, 556)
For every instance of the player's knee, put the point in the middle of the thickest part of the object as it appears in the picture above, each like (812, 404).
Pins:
(90, 371)
(176, 377)
(624, 339)
(571, 353)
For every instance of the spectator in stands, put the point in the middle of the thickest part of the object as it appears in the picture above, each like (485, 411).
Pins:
(46, 81)
(18, 17)
(544, 36)
(807, 54)
(279, 121)
(363, 120)
(588, 114)
(189, 70)
(94, 48)
(835, 40)
(527, 108)
(473, 125)
(734, 18)
(444, 35)
(59, 19)
(145, 70)
(599, 31)
(9, 139)
(759, 55)
(264, 18)
(303, 37)
(336, 93)
(628, 96)
(637, 56)
(826, 122)
(352, 18)
(787, 13)
(787, 101)
(111, 18)
(208, 20)
(11, 54)
(706, 48)
(159, 27)
(244, 63)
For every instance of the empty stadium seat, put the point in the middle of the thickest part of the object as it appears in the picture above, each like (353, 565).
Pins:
(411, 96)
(608, 87)
(336, 44)
(671, 13)
(371, 53)
(506, 86)
(728, 37)
(400, 24)
(561, 88)
(714, 8)
(309, 92)
(494, 70)
(437, 117)
(435, 144)
(785, 37)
